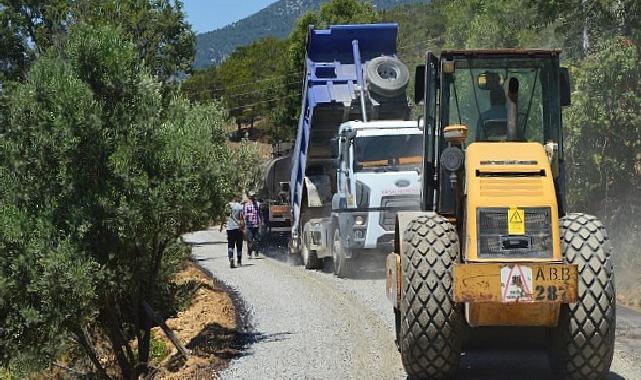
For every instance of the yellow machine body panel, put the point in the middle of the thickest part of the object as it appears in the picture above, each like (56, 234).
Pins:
(514, 294)
(512, 275)
(542, 314)
(510, 179)
(515, 283)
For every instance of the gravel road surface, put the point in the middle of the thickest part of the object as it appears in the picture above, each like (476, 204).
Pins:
(309, 324)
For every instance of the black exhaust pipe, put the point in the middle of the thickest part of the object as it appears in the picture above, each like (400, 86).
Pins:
(512, 109)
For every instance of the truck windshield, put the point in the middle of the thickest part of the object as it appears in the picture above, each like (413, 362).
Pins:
(477, 98)
(388, 153)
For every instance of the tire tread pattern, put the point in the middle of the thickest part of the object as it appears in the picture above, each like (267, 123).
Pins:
(583, 342)
(431, 322)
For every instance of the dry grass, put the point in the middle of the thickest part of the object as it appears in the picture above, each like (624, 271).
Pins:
(207, 328)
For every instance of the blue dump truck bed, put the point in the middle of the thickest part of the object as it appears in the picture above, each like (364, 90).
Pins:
(334, 75)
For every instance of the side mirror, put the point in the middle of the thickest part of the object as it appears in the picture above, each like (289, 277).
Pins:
(333, 143)
(419, 84)
(564, 87)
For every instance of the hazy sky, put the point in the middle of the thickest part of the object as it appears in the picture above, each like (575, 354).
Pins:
(206, 15)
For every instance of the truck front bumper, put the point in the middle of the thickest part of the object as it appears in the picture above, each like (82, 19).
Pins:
(369, 235)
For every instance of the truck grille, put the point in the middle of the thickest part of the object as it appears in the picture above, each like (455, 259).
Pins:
(387, 218)
(494, 240)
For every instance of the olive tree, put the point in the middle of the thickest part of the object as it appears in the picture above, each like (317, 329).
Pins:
(603, 138)
(103, 177)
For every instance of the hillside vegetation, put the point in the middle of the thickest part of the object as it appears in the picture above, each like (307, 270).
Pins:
(276, 20)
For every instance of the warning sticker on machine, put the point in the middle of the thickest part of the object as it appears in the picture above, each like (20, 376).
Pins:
(516, 284)
(516, 221)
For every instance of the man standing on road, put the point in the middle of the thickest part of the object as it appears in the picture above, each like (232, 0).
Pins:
(251, 211)
(235, 226)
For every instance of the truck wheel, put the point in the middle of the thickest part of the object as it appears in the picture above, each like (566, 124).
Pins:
(342, 267)
(387, 76)
(310, 260)
(583, 342)
(308, 257)
(431, 323)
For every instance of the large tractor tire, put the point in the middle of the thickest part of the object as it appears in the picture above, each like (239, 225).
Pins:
(342, 264)
(431, 323)
(583, 342)
(387, 76)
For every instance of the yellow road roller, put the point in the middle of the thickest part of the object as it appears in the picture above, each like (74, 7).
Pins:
(494, 246)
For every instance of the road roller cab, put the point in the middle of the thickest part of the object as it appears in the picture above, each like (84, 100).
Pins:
(493, 245)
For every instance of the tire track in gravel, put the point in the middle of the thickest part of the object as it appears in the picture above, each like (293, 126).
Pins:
(304, 326)
(375, 352)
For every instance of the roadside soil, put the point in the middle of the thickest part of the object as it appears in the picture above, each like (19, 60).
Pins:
(207, 329)
(630, 298)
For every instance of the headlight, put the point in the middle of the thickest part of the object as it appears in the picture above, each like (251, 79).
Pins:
(359, 220)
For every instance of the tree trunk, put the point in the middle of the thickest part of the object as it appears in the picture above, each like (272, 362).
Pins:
(126, 368)
(147, 294)
(168, 332)
(586, 31)
(85, 341)
(113, 330)
(144, 344)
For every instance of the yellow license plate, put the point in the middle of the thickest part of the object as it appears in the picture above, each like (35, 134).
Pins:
(515, 282)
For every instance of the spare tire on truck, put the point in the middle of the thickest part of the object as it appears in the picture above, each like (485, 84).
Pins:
(387, 76)
(583, 342)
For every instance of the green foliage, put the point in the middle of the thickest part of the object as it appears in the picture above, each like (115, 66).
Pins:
(159, 350)
(603, 144)
(247, 172)
(601, 20)
(163, 38)
(250, 75)
(45, 288)
(248, 82)
(103, 177)
(159, 29)
(203, 85)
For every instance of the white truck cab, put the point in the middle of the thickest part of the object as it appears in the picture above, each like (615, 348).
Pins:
(377, 176)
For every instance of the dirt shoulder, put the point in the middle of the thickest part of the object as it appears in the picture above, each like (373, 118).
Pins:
(630, 297)
(207, 329)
